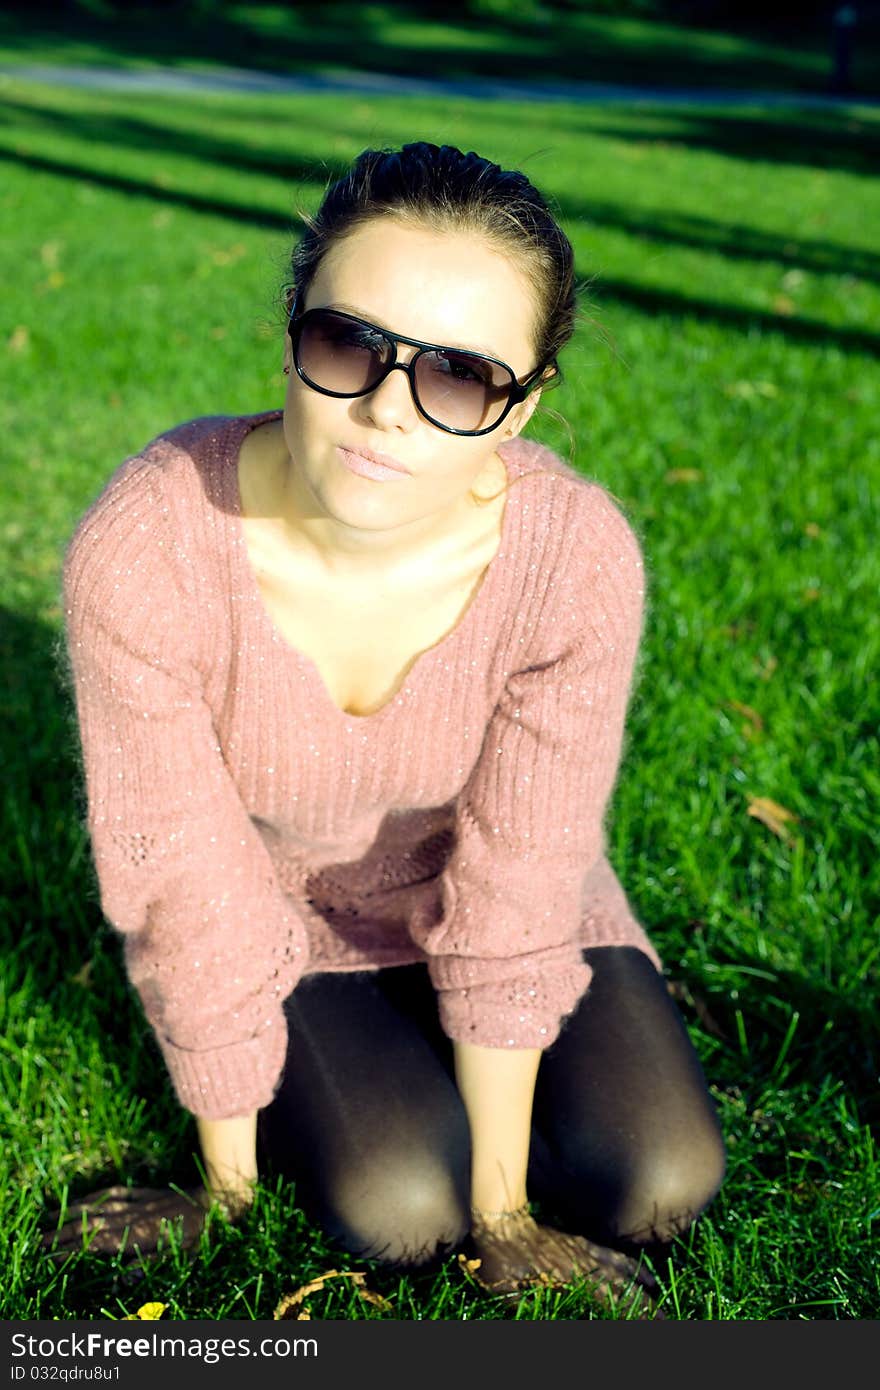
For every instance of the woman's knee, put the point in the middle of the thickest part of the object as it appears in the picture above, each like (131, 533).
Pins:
(407, 1217)
(662, 1193)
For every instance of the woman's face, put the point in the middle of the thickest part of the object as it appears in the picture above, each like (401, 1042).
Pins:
(448, 288)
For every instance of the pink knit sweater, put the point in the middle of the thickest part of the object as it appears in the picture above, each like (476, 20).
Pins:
(246, 831)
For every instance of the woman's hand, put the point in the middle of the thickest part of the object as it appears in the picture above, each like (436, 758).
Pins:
(515, 1253)
(131, 1220)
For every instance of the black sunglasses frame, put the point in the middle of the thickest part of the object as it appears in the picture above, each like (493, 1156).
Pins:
(518, 389)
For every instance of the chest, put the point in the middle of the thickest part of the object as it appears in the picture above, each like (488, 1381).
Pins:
(364, 641)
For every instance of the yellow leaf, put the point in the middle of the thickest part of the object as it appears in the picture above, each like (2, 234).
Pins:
(290, 1301)
(83, 976)
(766, 671)
(811, 529)
(771, 814)
(683, 475)
(783, 304)
(19, 339)
(376, 1299)
(749, 713)
(747, 389)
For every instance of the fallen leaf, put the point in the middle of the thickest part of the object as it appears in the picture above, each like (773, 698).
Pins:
(19, 339)
(811, 529)
(83, 976)
(739, 629)
(283, 1310)
(683, 475)
(766, 671)
(747, 389)
(771, 814)
(681, 993)
(367, 1296)
(747, 710)
(224, 257)
(783, 304)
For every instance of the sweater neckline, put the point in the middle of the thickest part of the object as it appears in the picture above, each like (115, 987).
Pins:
(237, 430)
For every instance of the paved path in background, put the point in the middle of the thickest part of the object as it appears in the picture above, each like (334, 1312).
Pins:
(391, 84)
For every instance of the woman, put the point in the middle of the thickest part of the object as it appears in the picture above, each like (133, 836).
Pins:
(351, 680)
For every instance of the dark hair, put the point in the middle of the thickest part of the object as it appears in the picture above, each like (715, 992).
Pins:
(439, 186)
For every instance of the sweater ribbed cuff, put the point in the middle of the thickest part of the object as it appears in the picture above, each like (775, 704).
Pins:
(237, 1079)
(524, 1013)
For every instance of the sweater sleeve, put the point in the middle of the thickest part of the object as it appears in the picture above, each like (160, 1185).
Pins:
(211, 944)
(504, 957)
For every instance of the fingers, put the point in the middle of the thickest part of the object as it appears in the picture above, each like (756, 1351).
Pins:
(120, 1219)
(110, 1200)
(618, 1280)
(533, 1255)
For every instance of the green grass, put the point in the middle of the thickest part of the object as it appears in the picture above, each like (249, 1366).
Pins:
(413, 39)
(724, 386)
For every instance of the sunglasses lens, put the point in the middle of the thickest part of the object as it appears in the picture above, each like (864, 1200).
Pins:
(461, 389)
(457, 390)
(341, 355)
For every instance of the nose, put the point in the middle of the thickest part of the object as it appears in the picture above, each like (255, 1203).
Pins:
(391, 406)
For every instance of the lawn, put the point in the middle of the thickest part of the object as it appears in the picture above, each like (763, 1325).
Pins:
(602, 43)
(723, 385)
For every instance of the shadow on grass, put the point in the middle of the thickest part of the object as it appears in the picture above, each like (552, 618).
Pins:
(53, 936)
(806, 139)
(835, 1035)
(659, 227)
(830, 140)
(421, 41)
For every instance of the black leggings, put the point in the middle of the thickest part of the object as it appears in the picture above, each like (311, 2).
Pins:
(626, 1147)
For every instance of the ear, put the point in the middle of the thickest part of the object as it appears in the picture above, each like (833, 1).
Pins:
(521, 414)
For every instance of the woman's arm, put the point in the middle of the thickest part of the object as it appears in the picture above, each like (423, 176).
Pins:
(229, 1148)
(497, 1087)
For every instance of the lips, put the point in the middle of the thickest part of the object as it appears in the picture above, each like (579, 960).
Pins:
(371, 456)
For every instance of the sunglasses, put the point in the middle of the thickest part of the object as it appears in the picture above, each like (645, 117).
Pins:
(460, 392)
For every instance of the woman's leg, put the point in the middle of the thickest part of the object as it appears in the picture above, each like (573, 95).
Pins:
(367, 1120)
(626, 1144)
